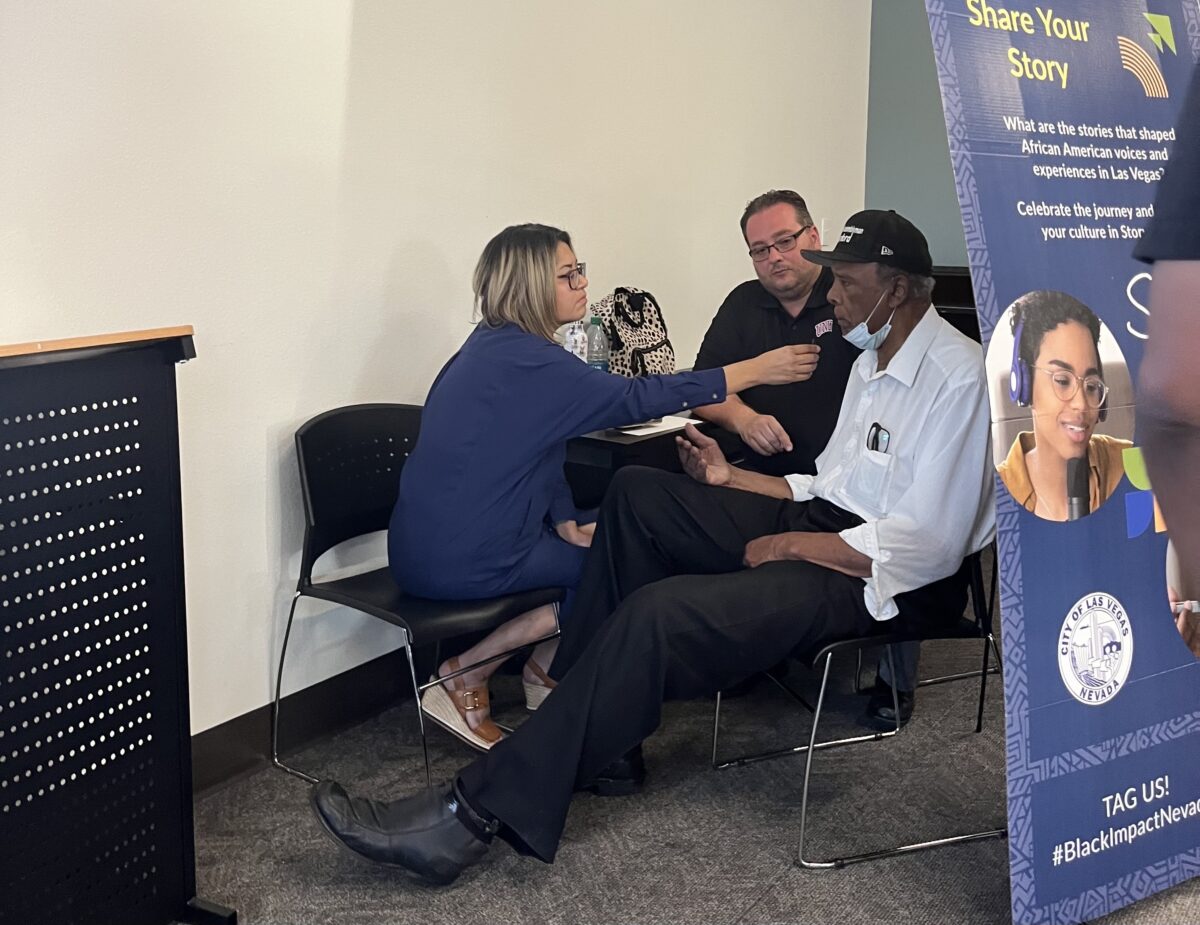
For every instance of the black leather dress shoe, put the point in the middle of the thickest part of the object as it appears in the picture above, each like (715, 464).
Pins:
(421, 833)
(624, 777)
(880, 714)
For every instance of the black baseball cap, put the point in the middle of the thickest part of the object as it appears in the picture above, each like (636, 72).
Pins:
(875, 236)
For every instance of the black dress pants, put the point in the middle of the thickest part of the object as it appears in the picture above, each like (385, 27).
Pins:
(666, 611)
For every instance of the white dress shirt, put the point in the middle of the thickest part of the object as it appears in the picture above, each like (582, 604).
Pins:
(928, 501)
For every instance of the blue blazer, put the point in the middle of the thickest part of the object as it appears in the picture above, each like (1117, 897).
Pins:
(486, 476)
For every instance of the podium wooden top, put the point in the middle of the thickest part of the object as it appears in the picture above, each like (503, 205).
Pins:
(96, 340)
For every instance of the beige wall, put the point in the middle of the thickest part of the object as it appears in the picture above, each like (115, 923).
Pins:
(309, 184)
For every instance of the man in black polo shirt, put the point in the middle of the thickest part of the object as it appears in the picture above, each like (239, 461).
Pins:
(782, 428)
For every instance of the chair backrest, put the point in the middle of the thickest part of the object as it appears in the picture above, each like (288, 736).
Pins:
(350, 461)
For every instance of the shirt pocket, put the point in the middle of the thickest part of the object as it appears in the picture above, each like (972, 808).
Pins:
(871, 480)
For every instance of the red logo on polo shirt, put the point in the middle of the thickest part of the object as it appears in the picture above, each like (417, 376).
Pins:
(823, 327)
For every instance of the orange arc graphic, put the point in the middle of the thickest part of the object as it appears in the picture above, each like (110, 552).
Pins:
(1135, 60)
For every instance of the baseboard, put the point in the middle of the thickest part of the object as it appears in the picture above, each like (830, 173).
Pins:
(242, 746)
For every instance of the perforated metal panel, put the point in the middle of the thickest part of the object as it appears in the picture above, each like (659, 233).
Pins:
(95, 811)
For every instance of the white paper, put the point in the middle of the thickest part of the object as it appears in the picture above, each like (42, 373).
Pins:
(665, 426)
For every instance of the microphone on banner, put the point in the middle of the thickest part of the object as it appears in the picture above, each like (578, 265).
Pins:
(1078, 495)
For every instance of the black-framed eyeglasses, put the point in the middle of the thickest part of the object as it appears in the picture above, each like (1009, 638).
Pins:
(782, 244)
(878, 438)
(576, 278)
(1066, 384)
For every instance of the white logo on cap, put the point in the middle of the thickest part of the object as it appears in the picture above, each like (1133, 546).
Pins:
(885, 250)
(847, 233)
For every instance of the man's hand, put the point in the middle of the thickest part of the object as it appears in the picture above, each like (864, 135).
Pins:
(771, 548)
(702, 459)
(765, 435)
(574, 534)
(825, 549)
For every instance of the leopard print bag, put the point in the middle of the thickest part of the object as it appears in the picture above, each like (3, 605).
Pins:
(637, 334)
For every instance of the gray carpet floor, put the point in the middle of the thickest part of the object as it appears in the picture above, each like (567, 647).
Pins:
(696, 846)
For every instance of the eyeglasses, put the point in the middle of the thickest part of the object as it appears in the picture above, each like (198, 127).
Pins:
(783, 245)
(577, 278)
(1066, 384)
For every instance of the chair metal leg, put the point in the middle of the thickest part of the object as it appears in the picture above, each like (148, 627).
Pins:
(809, 750)
(838, 863)
(783, 686)
(941, 679)
(275, 710)
(716, 728)
(891, 657)
(960, 676)
(987, 650)
(812, 748)
(998, 668)
(766, 756)
(994, 586)
(744, 760)
(295, 772)
(412, 672)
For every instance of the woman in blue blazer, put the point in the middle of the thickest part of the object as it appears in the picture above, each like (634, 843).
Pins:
(484, 508)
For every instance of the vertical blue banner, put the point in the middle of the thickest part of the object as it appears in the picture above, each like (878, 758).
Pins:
(1060, 119)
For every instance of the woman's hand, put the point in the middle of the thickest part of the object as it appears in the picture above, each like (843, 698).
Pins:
(702, 459)
(775, 367)
(569, 531)
(787, 364)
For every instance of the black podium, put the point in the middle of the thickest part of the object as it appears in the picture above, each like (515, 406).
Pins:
(95, 748)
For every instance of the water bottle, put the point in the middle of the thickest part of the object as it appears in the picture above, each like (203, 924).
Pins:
(575, 341)
(597, 345)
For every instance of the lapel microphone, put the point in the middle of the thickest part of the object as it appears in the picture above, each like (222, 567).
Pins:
(1078, 496)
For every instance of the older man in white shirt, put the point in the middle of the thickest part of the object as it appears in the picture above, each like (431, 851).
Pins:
(695, 583)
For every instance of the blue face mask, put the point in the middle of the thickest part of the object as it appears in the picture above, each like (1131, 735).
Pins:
(860, 337)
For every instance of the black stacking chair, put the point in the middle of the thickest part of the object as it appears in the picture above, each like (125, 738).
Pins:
(350, 462)
(978, 627)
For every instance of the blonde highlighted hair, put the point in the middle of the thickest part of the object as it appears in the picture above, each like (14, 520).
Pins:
(514, 279)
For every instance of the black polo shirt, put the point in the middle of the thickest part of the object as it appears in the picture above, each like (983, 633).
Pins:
(752, 321)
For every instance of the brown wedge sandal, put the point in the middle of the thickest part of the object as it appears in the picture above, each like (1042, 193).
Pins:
(535, 693)
(450, 708)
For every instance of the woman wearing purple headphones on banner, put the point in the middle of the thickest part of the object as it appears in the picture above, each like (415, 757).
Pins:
(1057, 374)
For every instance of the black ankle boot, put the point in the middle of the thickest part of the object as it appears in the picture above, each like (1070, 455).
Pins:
(624, 777)
(422, 834)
